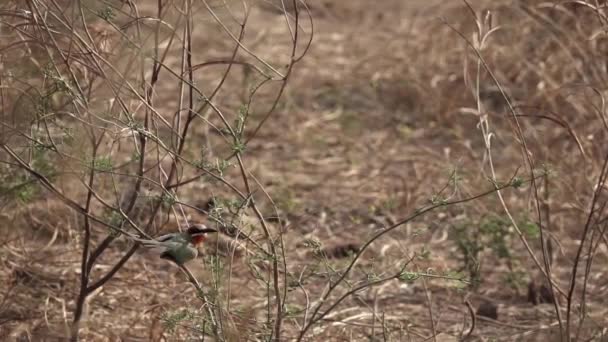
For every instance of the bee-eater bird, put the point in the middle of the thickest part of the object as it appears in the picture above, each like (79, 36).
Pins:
(179, 247)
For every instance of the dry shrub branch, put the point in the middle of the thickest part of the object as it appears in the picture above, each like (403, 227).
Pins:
(417, 172)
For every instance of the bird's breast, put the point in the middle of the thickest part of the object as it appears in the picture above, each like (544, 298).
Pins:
(185, 253)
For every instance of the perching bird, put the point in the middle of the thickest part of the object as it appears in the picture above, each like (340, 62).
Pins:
(179, 247)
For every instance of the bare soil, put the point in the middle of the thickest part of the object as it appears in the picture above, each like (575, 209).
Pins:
(375, 121)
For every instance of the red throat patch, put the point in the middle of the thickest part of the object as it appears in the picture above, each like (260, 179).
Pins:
(198, 239)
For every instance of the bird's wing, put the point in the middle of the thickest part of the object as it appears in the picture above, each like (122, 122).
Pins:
(163, 243)
(161, 248)
(165, 237)
(169, 256)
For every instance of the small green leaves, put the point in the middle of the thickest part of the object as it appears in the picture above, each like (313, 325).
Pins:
(68, 136)
(517, 182)
(530, 229)
(113, 217)
(172, 319)
(26, 192)
(106, 14)
(102, 164)
(219, 207)
(293, 310)
(42, 162)
(215, 263)
(408, 277)
(168, 199)
(457, 279)
(239, 147)
(239, 123)
(424, 254)
(315, 245)
(437, 200)
(219, 166)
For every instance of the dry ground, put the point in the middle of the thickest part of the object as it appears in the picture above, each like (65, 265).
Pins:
(377, 119)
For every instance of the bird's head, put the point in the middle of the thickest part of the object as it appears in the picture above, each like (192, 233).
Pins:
(198, 233)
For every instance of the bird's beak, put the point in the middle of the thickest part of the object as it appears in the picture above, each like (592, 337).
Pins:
(201, 235)
(200, 229)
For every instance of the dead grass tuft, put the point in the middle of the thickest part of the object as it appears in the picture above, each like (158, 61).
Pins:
(390, 113)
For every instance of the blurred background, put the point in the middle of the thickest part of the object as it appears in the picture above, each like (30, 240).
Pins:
(311, 135)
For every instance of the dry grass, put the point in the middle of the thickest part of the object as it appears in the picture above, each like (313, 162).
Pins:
(381, 118)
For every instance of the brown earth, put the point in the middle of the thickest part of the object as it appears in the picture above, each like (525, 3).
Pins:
(377, 119)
